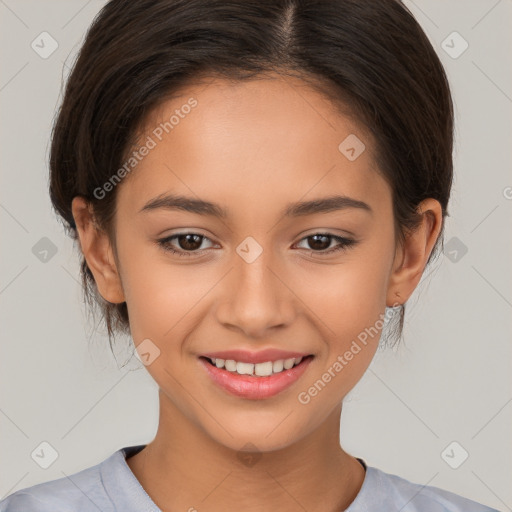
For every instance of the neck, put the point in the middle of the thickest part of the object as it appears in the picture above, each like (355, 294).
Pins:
(183, 468)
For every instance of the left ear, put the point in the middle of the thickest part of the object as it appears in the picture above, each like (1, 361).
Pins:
(411, 258)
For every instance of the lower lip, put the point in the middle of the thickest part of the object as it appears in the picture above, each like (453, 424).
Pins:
(255, 388)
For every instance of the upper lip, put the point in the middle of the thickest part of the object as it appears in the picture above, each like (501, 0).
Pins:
(261, 356)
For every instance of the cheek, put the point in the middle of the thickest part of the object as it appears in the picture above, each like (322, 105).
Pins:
(348, 295)
(161, 295)
(343, 296)
(348, 303)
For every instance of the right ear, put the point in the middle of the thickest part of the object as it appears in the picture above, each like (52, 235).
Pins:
(97, 251)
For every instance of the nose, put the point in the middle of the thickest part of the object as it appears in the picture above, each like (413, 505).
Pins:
(255, 298)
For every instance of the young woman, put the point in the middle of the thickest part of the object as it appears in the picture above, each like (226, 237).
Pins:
(254, 187)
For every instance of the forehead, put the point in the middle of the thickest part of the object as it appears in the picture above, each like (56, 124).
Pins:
(274, 140)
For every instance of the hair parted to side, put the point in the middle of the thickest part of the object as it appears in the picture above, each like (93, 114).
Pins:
(370, 57)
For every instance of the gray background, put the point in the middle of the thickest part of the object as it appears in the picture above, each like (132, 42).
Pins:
(449, 382)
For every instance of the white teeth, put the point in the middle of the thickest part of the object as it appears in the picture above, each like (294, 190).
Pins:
(277, 366)
(230, 365)
(256, 369)
(263, 369)
(245, 368)
(288, 363)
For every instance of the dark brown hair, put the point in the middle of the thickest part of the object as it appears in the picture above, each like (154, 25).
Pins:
(371, 57)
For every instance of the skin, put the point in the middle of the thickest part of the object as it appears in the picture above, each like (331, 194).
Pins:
(253, 147)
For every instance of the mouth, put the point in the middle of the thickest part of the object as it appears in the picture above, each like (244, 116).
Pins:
(255, 381)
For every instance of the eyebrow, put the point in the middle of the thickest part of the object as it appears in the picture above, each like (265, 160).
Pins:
(207, 208)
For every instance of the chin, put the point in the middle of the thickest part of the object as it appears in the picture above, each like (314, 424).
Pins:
(257, 433)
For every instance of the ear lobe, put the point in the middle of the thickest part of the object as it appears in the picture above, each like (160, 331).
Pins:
(97, 251)
(411, 258)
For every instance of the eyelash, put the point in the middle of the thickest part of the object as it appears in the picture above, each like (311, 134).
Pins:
(344, 243)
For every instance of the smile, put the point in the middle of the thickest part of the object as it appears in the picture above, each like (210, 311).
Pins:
(257, 369)
(255, 380)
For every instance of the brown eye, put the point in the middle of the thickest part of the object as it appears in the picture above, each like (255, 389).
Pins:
(188, 243)
(320, 243)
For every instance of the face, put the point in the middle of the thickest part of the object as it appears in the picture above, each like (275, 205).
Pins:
(269, 273)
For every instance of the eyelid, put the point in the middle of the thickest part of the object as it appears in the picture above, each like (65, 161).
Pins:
(343, 233)
(174, 236)
(343, 243)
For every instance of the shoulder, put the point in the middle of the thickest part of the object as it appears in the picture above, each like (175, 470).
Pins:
(392, 492)
(82, 491)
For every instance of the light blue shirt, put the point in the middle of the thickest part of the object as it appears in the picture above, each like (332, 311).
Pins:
(110, 486)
